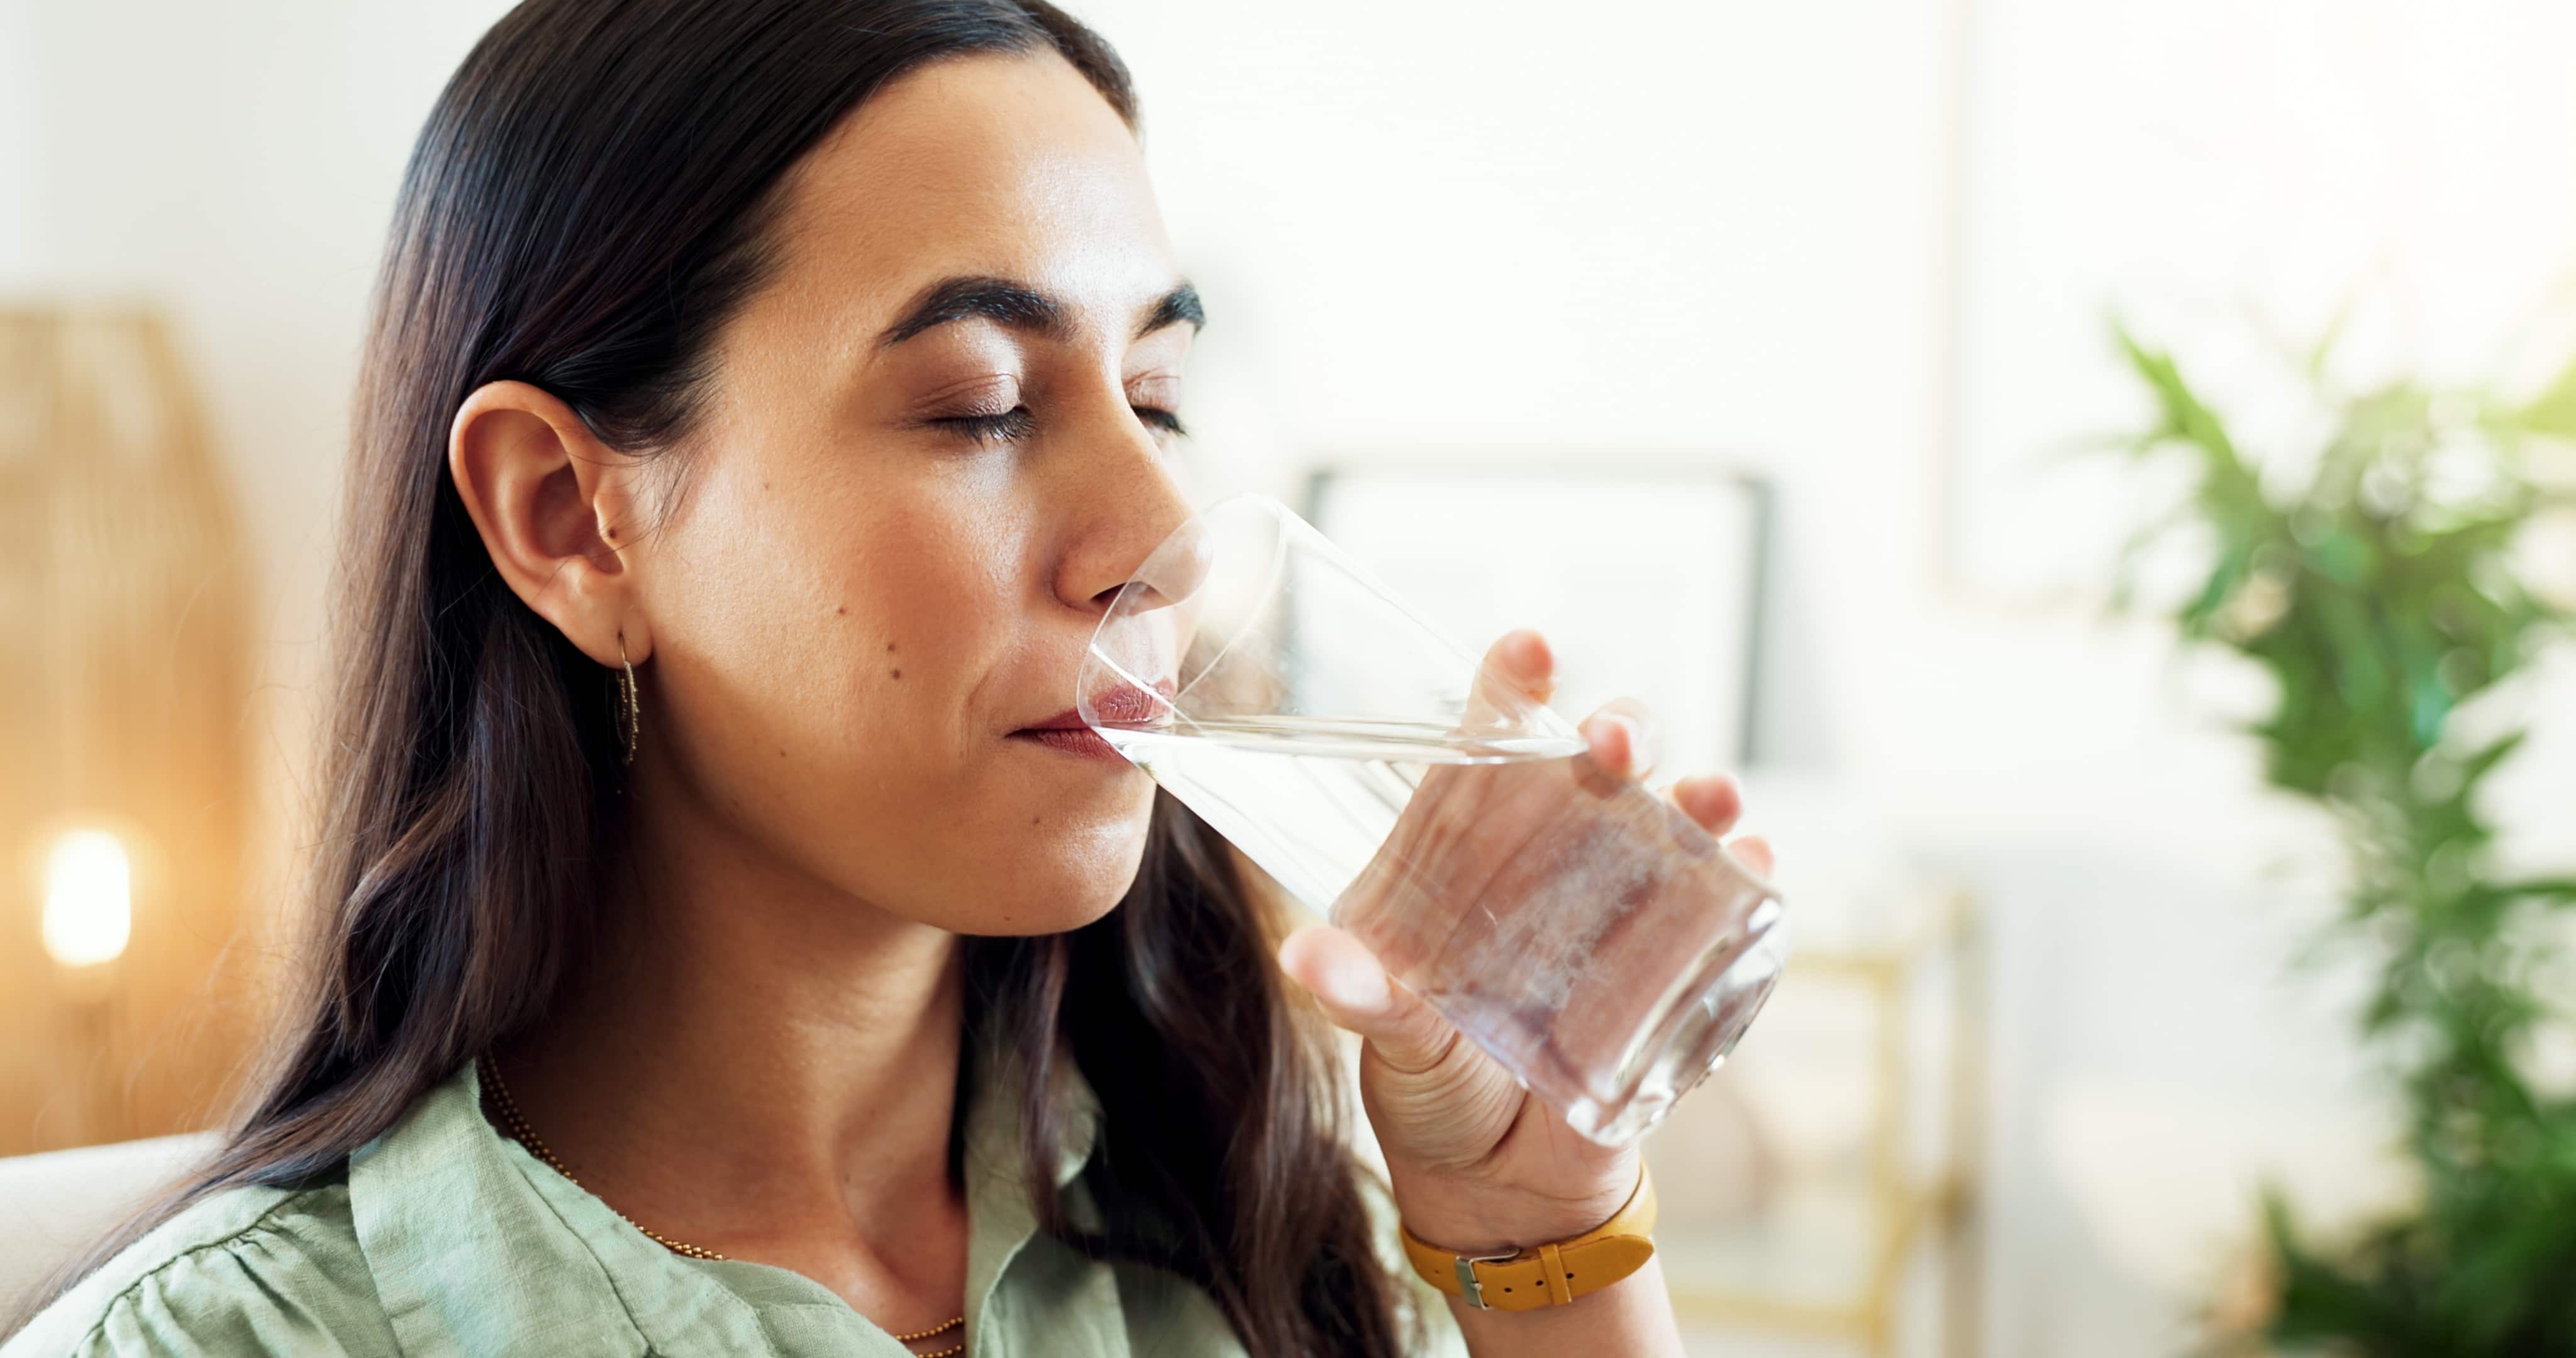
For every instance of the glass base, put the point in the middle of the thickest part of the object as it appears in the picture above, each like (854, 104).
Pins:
(1702, 1021)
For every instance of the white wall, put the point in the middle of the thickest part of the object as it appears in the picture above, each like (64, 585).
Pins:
(1674, 231)
(1735, 228)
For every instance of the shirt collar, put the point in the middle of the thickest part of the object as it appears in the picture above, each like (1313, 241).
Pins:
(476, 1246)
(1001, 1208)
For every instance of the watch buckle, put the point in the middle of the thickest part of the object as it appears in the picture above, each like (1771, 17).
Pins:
(1468, 1285)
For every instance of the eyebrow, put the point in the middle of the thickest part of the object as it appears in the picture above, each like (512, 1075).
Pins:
(1180, 304)
(1022, 307)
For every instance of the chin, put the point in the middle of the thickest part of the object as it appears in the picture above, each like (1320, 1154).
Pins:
(1059, 893)
(1032, 915)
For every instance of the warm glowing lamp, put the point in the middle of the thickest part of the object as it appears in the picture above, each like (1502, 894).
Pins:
(125, 660)
(89, 898)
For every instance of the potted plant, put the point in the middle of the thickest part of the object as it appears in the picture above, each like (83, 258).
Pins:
(2379, 593)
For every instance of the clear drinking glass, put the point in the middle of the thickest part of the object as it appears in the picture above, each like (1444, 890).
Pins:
(1579, 927)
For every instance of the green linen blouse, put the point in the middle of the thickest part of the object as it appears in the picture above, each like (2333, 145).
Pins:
(443, 1237)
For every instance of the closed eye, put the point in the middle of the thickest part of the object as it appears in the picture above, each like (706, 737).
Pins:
(1014, 424)
(1008, 427)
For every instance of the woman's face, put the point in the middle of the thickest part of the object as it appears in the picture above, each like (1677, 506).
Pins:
(937, 442)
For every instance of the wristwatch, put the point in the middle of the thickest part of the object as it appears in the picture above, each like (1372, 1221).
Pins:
(1526, 1278)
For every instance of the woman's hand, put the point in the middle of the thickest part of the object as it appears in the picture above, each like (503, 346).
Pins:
(1477, 1163)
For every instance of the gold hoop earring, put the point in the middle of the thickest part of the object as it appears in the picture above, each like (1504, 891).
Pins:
(630, 713)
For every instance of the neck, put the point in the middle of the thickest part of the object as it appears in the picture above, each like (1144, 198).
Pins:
(758, 1065)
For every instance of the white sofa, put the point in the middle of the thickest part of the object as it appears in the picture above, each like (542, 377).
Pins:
(54, 1205)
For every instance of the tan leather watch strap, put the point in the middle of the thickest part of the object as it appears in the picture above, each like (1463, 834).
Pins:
(1524, 1279)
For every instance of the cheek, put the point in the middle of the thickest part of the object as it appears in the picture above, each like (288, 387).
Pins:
(845, 678)
(912, 618)
(826, 648)
(976, 831)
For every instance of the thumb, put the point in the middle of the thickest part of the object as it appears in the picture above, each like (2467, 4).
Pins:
(1357, 994)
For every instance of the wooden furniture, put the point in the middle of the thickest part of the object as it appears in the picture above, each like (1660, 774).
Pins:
(124, 604)
(1858, 1092)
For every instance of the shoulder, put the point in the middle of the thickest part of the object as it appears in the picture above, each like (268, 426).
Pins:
(244, 1270)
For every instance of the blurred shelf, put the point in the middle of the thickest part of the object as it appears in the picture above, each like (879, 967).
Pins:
(1851, 1132)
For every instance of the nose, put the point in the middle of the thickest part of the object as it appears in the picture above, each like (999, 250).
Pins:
(1131, 514)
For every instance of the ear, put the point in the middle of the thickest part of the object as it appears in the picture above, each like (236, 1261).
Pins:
(557, 509)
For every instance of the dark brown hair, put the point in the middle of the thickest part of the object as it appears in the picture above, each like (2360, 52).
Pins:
(593, 197)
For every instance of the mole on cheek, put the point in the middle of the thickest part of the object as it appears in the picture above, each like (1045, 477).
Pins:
(896, 673)
(843, 610)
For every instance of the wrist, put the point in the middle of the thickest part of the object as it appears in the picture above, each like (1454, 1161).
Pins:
(1468, 1216)
(1526, 1274)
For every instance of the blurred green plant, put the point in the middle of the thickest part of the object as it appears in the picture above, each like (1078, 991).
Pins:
(2378, 592)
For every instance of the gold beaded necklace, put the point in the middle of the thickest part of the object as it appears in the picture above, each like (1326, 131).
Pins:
(516, 1124)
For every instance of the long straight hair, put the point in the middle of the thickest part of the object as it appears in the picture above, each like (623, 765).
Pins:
(593, 196)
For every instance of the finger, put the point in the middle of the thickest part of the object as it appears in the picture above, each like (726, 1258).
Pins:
(1714, 800)
(1358, 995)
(1754, 852)
(1623, 737)
(1518, 670)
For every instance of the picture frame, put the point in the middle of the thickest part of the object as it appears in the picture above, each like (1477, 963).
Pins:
(1647, 580)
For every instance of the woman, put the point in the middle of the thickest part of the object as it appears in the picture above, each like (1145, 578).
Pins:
(725, 945)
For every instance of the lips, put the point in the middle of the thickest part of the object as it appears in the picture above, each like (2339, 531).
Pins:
(1120, 705)
(1080, 740)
